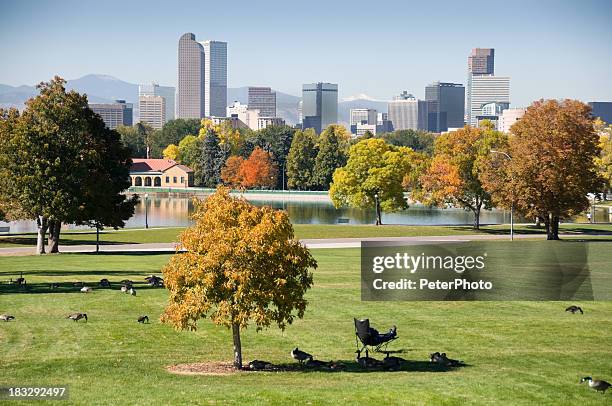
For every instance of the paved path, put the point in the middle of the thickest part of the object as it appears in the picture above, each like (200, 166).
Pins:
(310, 243)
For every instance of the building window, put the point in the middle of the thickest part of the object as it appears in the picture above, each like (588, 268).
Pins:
(167, 179)
(182, 179)
(174, 179)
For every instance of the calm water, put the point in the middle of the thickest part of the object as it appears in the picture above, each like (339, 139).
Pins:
(175, 211)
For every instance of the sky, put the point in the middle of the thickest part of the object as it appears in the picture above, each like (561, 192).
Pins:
(550, 49)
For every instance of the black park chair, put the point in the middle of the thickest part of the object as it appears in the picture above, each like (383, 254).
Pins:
(370, 337)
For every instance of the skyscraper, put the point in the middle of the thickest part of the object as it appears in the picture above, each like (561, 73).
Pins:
(408, 113)
(167, 92)
(483, 90)
(602, 110)
(114, 114)
(190, 103)
(446, 107)
(484, 87)
(215, 78)
(482, 61)
(152, 110)
(319, 105)
(264, 100)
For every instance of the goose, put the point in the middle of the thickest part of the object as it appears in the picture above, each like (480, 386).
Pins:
(442, 359)
(598, 385)
(104, 283)
(451, 362)
(132, 291)
(337, 366)
(77, 316)
(300, 356)
(573, 309)
(258, 365)
(143, 319)
(124, 289)
(6, 317)
(86, 289)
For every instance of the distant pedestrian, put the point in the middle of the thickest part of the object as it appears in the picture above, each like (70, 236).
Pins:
(589, 217)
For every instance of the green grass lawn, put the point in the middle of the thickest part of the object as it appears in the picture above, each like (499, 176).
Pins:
(302, 231)
(517, 352)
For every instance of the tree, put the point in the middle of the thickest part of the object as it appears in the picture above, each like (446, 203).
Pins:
(373, 168)
(60, 164)
(604, 160)
(241, 265)
(552, 167)
(230, 174)
(171, 152)
(333, 150)
(210, 161)
(175, 130)
(454, 174)
(277, 141)
(189, 150)
(420, 141)
(259, 170)
(301, 160)
(142, 139)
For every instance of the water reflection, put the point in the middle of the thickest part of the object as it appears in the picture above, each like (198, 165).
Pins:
(175, 211)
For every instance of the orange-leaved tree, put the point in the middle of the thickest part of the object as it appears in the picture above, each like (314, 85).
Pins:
(241, 264)
(230, 174)
(551, 165)
(259, 170)
(454, 174)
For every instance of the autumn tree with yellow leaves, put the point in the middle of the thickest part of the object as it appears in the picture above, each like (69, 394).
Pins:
(237, 265)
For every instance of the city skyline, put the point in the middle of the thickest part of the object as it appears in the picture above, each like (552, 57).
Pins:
(39, 40)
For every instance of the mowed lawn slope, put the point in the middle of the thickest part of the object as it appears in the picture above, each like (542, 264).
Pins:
(517, 352)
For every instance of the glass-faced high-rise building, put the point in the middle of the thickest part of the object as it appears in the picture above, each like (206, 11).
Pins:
(446, 106)
(215, 78)
(319, 105)
(264, 100)
(482, 61)
(167, 92)
(190, 94)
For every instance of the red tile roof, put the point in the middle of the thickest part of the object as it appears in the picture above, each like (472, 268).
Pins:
(155, 165)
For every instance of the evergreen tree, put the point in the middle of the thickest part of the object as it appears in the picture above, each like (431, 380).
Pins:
(210, 162)
(333, 151)
(301, 160)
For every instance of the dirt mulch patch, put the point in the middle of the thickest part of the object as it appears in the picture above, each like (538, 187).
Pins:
(219, 368)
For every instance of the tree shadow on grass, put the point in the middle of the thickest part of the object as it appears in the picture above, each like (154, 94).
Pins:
(28, 240)
(534, 230)
(351, 366)
(69, 287)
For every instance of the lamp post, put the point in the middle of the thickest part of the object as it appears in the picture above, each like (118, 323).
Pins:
(512, 202)
(146, 196)
(378, 220)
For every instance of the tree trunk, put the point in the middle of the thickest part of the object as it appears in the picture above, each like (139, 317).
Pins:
(41, 224)
(477, 218)
(378, 215)
(552, 227)
(54, 234)
(237, 346)
(97, 239)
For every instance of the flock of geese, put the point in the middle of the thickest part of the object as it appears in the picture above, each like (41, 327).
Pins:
(304, 358)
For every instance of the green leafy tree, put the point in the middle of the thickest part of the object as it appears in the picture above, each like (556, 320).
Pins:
(189, 151)
(301, 160)
(210, 161)
(374, 168)
(175, 130)
(332, 154)
(62, 165)
(420, 141)
(241, 265)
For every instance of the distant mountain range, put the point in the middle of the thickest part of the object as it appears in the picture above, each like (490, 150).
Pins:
(105, 88)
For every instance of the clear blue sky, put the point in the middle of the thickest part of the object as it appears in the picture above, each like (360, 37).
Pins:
(550, 49)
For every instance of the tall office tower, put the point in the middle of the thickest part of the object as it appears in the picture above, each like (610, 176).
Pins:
(114, 114)
(215, 78)
(264, 100)
(408, 113)
(363, 116)
(167, 92)
(152, 110)
(509, 117)
(482, 61)
(190, 95)
(602, 110)
(446, 106)
(319, 105)
(483, 90)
